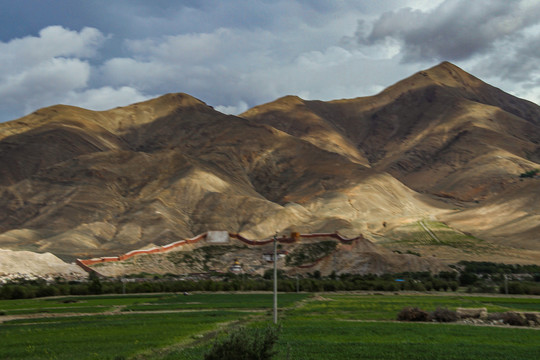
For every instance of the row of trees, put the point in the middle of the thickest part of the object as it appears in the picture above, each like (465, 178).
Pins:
(31, 289)
(485, 267)
(471, 277)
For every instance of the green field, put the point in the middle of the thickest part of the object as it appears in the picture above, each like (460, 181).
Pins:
(415, 233)
(386, 307)
(324, 326)
(104, 337)
(78, 304)
(317, 338)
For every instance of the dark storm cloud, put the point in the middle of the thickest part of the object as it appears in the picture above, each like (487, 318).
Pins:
(519, 61)
(454, 30)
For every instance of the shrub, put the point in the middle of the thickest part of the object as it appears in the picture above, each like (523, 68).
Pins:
(245, 344)
(515, 319)
(530, 173)
(533, 318)
(412, 314)
(510, 318)
(309, 253)
(444, 315)
(453, 285)
(496, 316)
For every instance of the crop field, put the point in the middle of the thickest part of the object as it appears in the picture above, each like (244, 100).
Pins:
(104, 337)
(146, 302)
(77, 304)
(318, 338)
(114, 327)
(320, 326)
(386, 307)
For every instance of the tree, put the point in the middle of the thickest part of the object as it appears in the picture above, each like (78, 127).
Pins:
(95, 286)
(467, 278)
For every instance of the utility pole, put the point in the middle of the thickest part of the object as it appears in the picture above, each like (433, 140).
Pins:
(275, 278)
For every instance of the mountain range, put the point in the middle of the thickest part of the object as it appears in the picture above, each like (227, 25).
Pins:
(439, 153)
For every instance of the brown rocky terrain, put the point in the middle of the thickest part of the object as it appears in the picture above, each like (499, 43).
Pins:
(440, 132)
(439, 145)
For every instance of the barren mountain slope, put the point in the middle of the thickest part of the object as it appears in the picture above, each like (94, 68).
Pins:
(440, 131)
(82, 183)
(512, 218)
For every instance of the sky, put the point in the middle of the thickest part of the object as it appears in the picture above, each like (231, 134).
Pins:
(237, 54)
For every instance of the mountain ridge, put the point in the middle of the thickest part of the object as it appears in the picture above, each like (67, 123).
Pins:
(440, 144)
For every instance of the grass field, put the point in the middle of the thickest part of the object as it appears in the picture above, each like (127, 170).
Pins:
(325, 326)
(386, 307)
(338, 327)
(415, 233)
(146, 302)
(105, 337)
(318, 338)
(78, 304)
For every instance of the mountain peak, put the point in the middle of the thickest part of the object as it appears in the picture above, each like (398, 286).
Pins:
(445, 75)
(283, 103)
(449, 74)
(447, 65)
(463, 84)
(170, 101)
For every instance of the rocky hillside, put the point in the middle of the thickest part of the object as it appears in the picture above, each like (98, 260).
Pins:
(440, 132)
(439, 145)
(325, 253)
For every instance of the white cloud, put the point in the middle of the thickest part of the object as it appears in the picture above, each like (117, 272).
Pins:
(53, 41)
(40, 71)
(232, 67)
(143, 75)
(233, 109)
(39, 85)
(531, 94)
(235, 68)
(333, 56)
(190, 48)
(242, 53)
(104, 98)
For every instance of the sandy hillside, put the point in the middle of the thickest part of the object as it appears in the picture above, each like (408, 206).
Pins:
(27, 262)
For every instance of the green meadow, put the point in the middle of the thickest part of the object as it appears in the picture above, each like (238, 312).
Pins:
(320, 326)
